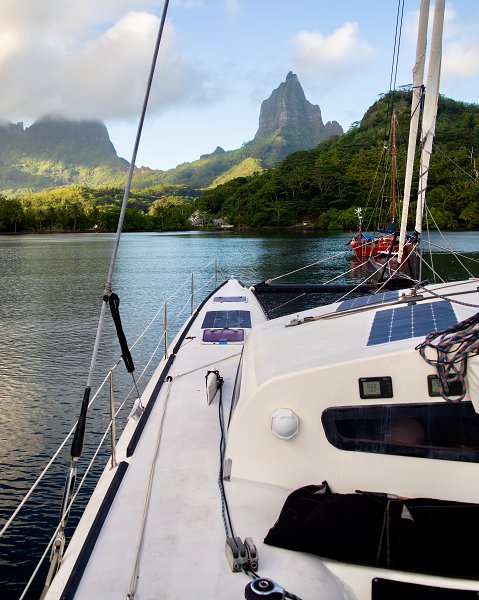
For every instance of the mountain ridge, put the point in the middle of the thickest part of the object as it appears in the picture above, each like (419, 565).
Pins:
(324, 186)
(318, 188)
(53, 152)
(287, 108)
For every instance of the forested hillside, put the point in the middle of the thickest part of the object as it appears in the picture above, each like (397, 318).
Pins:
(320, 187)
(323, 186)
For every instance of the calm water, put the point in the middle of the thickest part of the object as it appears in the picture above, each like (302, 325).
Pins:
(50, 297)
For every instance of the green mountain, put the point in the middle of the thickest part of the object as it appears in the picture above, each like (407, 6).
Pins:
(287, 122)
(324, 185)
(321, 186)
(54, 152)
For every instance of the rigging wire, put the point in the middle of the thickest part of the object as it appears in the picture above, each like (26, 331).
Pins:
(318, 262)
(78, 438)
(438, 148)
(376, 212)
(456, 256)
(394, 66)
(108, 284)
(147, 498)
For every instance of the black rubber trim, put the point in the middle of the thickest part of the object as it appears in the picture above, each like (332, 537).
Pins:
(90, 541)
(309, 288)
(135, 438)
(387, 589)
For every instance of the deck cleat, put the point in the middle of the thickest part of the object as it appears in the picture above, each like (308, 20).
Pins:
(236, 554)
(252, 553)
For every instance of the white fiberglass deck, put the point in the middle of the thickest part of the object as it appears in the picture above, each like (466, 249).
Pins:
(179, 538)
(177, 542)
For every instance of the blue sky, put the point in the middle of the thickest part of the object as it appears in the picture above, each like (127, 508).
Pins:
(219, 60)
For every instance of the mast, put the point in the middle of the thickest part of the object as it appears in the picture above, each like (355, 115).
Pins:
(430, 108)
(417, 92)
(394, 165)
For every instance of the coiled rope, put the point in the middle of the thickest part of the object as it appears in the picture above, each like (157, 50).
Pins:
(452, 347)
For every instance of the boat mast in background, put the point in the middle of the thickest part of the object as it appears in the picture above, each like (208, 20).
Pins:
(430, 109)
(394, 166)
(417, 95)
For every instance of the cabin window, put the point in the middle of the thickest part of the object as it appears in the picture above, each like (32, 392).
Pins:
(439, 430)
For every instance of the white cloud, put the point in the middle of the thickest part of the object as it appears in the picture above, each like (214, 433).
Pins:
(451, 23)
(461, 50)
(9, 46)
(90, 59)
(332, 55)
(232, 6)
(460, 46)
(461, 60)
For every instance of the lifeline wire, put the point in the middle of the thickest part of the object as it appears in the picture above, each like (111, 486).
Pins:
(78, 438)
(126, 195)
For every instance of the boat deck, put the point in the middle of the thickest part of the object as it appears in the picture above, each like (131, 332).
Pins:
(166, 516)
(163, 535)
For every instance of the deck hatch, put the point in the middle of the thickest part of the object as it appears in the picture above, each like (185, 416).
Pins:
(368, 300)
(223, 336)
(407, 322)
(227, 319)
(230, 299)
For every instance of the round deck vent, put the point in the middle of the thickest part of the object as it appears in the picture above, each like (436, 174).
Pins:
(284, 423)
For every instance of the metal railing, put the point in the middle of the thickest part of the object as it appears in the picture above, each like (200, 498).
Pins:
(198, 288)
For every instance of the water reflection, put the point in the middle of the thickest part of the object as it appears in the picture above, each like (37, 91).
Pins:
(50, 295)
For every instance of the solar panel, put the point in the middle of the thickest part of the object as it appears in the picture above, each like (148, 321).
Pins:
(368, 300)
(412, 321)
(230, 299)
(226, 319)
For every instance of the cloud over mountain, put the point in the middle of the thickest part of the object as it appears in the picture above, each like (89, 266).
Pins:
(460, 47)
(331, 55)
(90, 61)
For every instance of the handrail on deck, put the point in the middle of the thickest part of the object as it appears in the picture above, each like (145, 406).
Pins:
(111, 427)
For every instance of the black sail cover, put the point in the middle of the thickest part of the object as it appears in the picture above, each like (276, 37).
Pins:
(415, 534)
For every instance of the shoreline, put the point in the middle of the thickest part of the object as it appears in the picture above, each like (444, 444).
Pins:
(268, 229)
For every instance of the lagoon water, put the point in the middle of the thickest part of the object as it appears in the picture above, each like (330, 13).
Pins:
(51, 289)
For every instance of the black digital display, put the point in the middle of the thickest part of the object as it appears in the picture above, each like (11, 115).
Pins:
(371, 388)
(451, 388)
(375, 387)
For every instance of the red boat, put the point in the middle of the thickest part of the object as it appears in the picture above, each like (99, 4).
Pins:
(379, 243)
(365, 245)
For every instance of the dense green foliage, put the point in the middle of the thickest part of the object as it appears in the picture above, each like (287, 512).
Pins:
(52, 153)
(27, 172)
(77, 208)
(320, 187)
(323, 186)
